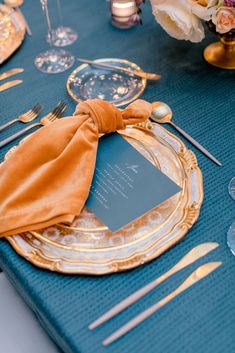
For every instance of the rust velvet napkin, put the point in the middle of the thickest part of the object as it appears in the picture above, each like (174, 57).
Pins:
(47, 180)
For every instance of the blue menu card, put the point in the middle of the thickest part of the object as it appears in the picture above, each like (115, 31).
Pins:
(125, 185)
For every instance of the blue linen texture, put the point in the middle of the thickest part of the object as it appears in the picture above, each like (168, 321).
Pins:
(202, 97)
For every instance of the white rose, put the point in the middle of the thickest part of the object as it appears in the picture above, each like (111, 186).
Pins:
(178, 21)
(204, 9)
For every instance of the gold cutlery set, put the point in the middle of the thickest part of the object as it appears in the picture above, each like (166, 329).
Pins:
(162, 113)
(30, 115)
(201, 272)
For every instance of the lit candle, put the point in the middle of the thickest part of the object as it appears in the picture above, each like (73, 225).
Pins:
(122, 10)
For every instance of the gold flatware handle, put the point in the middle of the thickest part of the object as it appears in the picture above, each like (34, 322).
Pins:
(196, 276)
(147, 75)
(193, 255)
(140, 73)
(17, 134)
(10, 73)
(9, 84)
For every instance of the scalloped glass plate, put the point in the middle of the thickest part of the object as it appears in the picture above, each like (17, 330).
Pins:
(119, 88)
(89, 247)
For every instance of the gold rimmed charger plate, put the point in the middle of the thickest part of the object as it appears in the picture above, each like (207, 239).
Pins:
(88, 82)
(12, 32)
(88, 247)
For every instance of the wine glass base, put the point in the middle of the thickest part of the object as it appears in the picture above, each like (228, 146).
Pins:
(231, 188)
(54, 61)
(231, 238)
(63, 36)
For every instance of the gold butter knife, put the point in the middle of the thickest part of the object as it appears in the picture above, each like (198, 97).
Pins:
(196, 276)
(193, 255)
(140, 73)
(10, 73)
(9, 84)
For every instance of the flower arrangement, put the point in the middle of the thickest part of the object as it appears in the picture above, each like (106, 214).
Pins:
(182, 19)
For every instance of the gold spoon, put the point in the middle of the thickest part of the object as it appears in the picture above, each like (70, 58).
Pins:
(162, 114)
(15, 4)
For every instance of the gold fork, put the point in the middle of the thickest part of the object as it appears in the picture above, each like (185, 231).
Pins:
(55, 114)
(25, 117)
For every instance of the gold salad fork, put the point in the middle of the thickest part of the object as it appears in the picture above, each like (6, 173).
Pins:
(25, 117)
(55, 114)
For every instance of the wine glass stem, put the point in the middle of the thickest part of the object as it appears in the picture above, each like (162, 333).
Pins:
(59, 12)
(48, 21)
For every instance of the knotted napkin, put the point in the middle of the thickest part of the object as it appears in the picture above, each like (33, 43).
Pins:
(48, 178)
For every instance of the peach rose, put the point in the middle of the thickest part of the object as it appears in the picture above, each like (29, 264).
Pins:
(204, 9)
(177, 19)
(224, 19)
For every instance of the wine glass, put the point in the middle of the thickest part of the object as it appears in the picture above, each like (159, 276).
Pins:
(231, 188)
(231, 238)
(62, 35)
(52, 61)
(231, 231)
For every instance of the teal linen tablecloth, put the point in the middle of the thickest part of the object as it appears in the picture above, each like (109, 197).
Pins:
(202, 319)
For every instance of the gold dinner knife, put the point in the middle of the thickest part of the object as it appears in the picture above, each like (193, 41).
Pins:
(10, 84)
(140, 73)
(10, 73)
(196, 276)
(193, 255)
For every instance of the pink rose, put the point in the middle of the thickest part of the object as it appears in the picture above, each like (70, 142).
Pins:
(225, 19)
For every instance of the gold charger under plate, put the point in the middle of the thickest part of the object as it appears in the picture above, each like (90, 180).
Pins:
(12, 32)
(88, 247)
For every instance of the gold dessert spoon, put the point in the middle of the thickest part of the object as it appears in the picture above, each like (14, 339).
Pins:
(162, 114)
